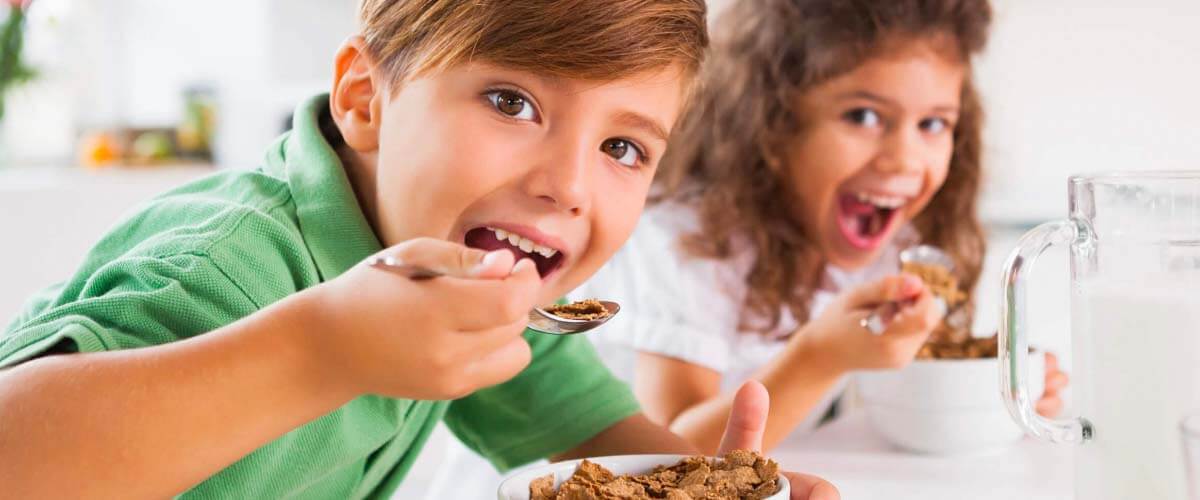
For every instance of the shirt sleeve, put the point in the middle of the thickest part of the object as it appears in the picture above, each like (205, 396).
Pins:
(127, 303)
(672, 304)
(563, 398)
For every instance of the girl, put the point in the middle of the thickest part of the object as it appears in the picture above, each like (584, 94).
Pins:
(827, 136)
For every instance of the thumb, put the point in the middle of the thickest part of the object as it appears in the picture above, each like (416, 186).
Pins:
(453, 259)
(747, 419)
(890, 289)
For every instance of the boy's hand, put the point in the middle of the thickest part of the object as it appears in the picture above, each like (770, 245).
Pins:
(840, 337)
(744, 431)
(382, 333)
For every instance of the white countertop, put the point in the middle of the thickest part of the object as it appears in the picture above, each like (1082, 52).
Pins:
(862, 465)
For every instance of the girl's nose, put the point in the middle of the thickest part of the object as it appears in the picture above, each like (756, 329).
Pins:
(901, 152)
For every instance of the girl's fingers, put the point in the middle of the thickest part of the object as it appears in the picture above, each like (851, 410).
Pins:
(1050, 406)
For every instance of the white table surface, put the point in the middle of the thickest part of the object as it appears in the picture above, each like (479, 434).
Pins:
(862, 465)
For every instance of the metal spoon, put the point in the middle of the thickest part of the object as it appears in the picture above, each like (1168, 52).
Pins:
(540, 320)
(920, 254)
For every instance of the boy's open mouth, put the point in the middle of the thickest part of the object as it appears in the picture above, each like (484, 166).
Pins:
(546, 258)
(864, 219)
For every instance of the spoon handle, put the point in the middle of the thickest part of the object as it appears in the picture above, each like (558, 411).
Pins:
(411, 271)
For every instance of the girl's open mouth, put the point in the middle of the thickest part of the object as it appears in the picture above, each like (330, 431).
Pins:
(865, 220)
(546, 258)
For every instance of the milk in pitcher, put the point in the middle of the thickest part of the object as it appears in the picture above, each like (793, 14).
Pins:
(1135, 382)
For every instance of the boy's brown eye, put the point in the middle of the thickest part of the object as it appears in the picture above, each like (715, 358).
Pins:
(616, 147)
(510, 104)
(625, 152)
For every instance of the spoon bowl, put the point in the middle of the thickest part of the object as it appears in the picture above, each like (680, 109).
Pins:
(540, 320)
(920, 254)
(543, 321)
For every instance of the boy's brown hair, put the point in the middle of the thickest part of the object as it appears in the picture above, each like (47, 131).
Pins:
(722, 158)
(599, 40)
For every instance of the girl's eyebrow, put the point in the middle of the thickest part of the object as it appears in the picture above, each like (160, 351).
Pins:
(863, 94)
(870, 96)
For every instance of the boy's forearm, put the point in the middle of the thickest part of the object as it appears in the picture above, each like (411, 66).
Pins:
(153, 422)
(634, 435)
(797, 379)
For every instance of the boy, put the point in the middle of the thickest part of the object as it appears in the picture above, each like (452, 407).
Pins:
(227, 341)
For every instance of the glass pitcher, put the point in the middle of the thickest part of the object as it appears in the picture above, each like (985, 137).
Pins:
(1134, 242)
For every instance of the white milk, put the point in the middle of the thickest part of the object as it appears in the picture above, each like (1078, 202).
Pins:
(1137, 363)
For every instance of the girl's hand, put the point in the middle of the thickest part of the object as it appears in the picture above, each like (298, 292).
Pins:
(1051, 404)
(838, 336)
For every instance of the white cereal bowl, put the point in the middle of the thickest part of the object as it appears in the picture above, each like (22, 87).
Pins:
(945, 407)
(516, 486)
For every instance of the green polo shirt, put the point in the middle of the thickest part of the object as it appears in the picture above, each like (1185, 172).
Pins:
(219, 249)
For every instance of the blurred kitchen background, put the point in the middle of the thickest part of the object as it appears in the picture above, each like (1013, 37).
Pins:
(131, 97)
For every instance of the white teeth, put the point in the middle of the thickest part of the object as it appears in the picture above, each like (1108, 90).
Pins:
(880, 201)
(525, 244)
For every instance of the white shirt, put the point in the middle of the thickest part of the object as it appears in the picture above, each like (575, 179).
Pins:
(682, 307)
(690, 308)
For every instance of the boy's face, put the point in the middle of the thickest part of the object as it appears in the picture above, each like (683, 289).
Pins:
(555, 170)
(876, 148)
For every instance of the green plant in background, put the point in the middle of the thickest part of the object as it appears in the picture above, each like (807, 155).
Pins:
(13, 71)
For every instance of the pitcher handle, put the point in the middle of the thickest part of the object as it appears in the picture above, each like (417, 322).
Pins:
(1014, 334)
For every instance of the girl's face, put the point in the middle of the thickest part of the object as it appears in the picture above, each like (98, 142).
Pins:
(874, 148)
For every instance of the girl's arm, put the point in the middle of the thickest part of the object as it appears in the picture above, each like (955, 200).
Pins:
(687, 398)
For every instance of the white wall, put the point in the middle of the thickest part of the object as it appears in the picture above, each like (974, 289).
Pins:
(127, 62)
(1084, 86)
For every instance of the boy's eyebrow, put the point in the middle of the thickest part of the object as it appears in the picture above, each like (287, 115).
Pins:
(631, 119)
(863, 94)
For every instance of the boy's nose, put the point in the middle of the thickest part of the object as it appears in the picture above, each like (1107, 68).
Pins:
(560, 178)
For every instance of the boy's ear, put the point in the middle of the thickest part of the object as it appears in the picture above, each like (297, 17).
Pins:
(356, 99)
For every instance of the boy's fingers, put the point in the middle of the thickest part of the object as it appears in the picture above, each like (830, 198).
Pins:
(484, 304)
(807, 487)
(497, 264)
(747, 419)
(889, 289)
(500, 365)
(512, 297)
(483, 342)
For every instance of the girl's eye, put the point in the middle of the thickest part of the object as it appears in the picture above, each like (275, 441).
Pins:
(625, 152)
(865, 117)
(512, 104)
(934, 125)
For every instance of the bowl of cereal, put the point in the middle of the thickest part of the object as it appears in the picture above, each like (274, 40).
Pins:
(740, 475)
(948, 400)
(944, 405)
